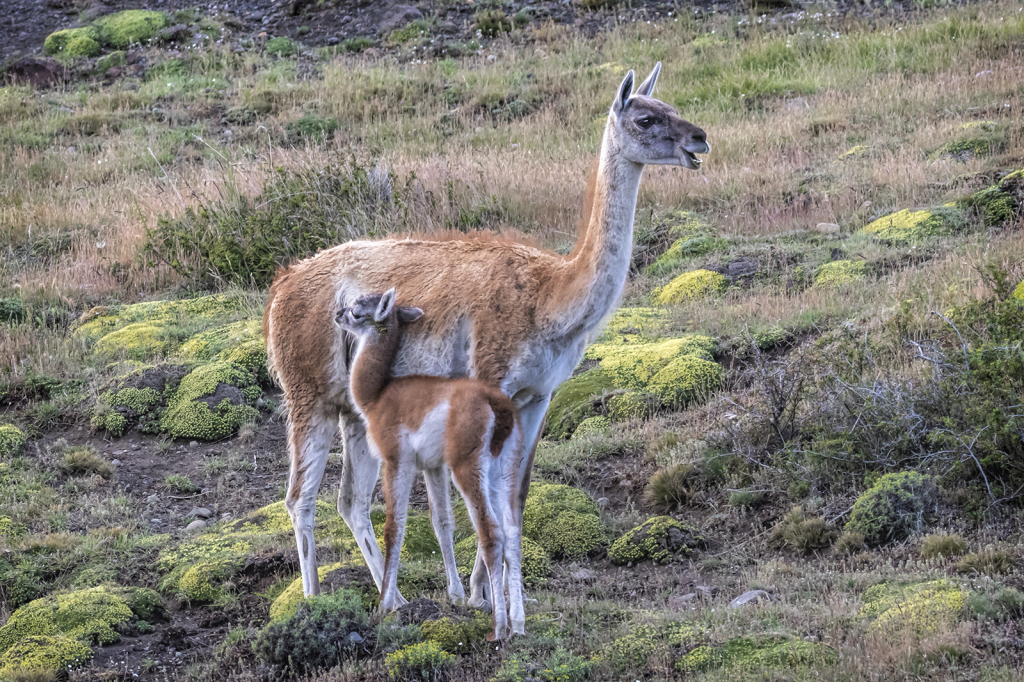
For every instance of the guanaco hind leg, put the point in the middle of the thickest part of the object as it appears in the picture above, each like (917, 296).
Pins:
(441, 518)
(397, 486)
(311, 430)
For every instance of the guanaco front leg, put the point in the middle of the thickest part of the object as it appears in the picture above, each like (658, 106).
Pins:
(397, 486)
(440, 499)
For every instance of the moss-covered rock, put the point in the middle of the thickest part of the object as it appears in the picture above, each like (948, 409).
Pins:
(74, 42)
(840, 273)
(139, 341)
(898, 505)
(659, 539)
(926, 608)
(56, 655)
(969, 147)
(423, 661)
(1001, 203)
(634, 325)
(212, 402)
(757, 653)
(419, 542)
(690, 286)
(211, 559)
(100, 321)
(108, 61)
(122, 29)
(635, 365)
(12, 441)
(575, 400)
(684, 249)
(208, 345)
(909, 226)
(457, 635)
(87, 615)
(536, 562)
(288, 601)
(592, 425)
(632, 405)
(545, 505)
(685, 380)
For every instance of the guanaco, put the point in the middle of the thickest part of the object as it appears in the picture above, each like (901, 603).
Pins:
(439, 425)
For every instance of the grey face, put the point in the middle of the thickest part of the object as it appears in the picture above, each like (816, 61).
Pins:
(660, 136)
(372, 311)
(648, 131)
(359, 315)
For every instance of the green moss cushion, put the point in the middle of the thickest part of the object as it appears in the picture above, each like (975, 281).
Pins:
(659, 539)
(913, 226)
(56, 655)
(691, 286)
(122, 29)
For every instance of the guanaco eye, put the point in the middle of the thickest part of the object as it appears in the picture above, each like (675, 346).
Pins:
(645, 122)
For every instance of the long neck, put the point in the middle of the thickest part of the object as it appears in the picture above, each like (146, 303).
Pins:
(371, 371)
(598, 266)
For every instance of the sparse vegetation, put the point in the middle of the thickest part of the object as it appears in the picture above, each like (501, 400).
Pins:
(829, 314)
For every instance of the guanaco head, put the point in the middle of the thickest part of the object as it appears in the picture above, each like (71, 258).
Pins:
(375, 314)
(648, 131)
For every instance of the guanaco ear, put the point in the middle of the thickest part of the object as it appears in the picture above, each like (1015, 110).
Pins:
(647, 87)
(407, 314)
(387, 302)
(625, 90)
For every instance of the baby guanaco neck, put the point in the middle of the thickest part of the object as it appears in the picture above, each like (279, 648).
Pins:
(371, 373)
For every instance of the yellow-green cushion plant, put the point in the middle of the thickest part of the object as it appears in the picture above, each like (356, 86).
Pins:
(756, 653)
(122, 29)
(37, 654)
(840, 273)
(909, 226)
(658, 539)
(924, 608)
(690, 286)
(12, 441)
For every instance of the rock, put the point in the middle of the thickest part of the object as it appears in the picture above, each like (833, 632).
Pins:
(39, 73)
(399, 16)
(200, 513)
(195, 526)
(193, 445)
(355, 638)
(706, 591)
(827, 228)
(603, 502)
(174, 34)
(679, 601)
(584, 575)
(750, 597)
(153, 499)
(116, 462)
(113, 72)
(333, 40)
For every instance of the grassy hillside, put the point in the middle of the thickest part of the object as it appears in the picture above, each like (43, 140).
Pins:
(813, 388)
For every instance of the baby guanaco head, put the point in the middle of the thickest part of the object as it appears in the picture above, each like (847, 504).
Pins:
(374, 314)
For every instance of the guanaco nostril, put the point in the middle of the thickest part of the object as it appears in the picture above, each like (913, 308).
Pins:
(700, 136)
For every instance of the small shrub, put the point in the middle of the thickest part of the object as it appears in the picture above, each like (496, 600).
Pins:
(801, 534)
(281, 46)
(244, 241)
(311, 127)
(691, 286)
(674, 487)
(746, 499)
(181, 484)
(423, 661)
(850, 543)
(492, 22)
(1003, 605)
(942, 545)
(318, 635)
(840, 273)
(989, 561)
(12, 441)
(898, 505)
(84, 459)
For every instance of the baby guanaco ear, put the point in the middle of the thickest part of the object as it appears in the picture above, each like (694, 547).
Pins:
(407, 314)
(387, 302)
